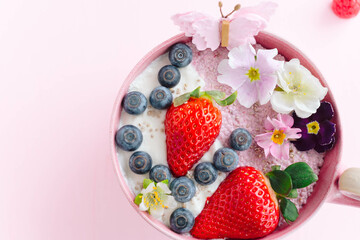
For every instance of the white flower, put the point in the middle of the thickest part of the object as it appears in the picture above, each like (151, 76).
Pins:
(302, 91)
(156, 198)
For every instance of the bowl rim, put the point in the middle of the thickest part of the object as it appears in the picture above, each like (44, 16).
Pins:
(332, 167)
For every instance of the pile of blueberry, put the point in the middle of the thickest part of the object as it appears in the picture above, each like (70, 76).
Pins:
(129, 138)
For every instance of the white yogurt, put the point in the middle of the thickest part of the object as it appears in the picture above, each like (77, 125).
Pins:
(151, 124)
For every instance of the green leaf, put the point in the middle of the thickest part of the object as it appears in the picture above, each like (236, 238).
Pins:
(195, 93)
(180, 100)
(293, 193)
(147, 182)
(138, 199)
(288, 210)
(227, 101)
(216, 94)
(166, 181)
(280, 181)
(275, 167)
(301, 174)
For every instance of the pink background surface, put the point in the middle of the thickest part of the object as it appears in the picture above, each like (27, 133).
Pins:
(61, 65)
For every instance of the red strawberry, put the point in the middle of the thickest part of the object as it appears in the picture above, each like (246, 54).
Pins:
(190, 131)
(244, 206)
(192, 124)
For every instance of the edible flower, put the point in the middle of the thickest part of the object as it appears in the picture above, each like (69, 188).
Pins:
(252, 74)
(276, 140)
(210, 32)
(299, 90)
(155, 197)
(316, 131)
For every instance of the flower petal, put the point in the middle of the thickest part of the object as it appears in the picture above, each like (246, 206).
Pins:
(282, 102)
(207, 34)
(266, 63)
(311, 86)
(247, 94)
(269, 126)
(305, 106)
(265, 88)
(300, 122)
(157, 212)
(280, 152)
(170, 202)
(293, 133)
(149, 188)
(324, 112)
(306, 142)
(322, 148)
(326, 132)
(286, 119)
(163, 187)
(264, 140)
(248, 21)
(231, 77)
(242, 56)
(142, 206)
(185, 21)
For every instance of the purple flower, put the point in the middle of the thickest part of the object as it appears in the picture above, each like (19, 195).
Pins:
(317, 132)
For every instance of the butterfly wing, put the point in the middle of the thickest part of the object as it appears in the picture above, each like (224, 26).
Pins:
(248, 22)
(203, 29)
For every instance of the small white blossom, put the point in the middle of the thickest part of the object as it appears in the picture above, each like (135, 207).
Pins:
(302, 91)
(155, 199)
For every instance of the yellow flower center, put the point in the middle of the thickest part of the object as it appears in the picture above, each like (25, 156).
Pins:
(253, 74)
(154, 199)
(278, 136)
(313, 127)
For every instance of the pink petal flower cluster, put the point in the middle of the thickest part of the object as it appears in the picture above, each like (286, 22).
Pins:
(276, 140)
(205, 30)
(252, 74)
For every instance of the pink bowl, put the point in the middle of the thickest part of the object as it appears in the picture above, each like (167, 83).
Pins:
(326, 187)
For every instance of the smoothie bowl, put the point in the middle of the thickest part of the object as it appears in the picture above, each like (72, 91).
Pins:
(159, 177)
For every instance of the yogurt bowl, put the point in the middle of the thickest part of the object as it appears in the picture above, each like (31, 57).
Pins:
(326, 188)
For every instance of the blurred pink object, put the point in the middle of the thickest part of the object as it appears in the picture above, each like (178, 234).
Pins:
(346, 8)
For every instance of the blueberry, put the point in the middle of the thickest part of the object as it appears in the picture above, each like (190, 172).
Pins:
(240, 139)
(159, 173)
(169, 76)
(129, 138)
(140, 162)
(183, 189)
(181, 220)
(161, 98)
(226, 159)
(134, 103)
(205, 173)
(180, 55)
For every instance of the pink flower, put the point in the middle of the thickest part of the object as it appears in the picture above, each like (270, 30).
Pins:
(252, 74)
(276, 141)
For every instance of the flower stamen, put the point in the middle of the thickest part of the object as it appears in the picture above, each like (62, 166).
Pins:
(253, 74)
(278, 137)
(313, 127)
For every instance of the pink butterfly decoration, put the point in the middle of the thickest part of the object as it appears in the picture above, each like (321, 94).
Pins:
(206, 30)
